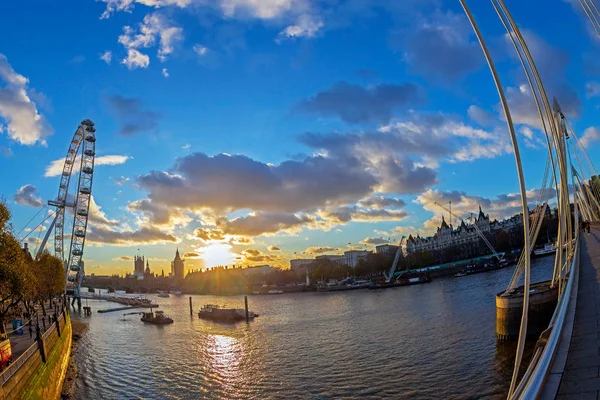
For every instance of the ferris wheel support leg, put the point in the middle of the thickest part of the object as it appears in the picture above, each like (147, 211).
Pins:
(46, 236)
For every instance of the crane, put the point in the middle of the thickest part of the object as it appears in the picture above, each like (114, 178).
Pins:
(487, 243)
(390, 275)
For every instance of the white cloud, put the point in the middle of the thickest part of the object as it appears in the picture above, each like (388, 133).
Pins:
(136, 59)
(24, 123)
(305, 26)
(591, 134)
(113, 6)
(200, 50)
(106, 56)
(55, 167)
(165, 72)
(97, 216)
(262, 9)
(155, 27)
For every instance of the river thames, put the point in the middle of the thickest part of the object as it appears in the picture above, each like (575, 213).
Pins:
(432, 341)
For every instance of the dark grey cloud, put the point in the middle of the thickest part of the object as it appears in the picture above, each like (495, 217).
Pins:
(264, 223)
(382, 202)
(157, 214)
(442, 47)
(343, 215)
(402, 176)
(396, 139)
(145, 235)
(366, 73)
(552, 64)
(225, 182)
(132, 116)
(26, 195)
(354, 104)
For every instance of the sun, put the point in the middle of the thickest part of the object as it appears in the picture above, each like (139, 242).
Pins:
(218, 254)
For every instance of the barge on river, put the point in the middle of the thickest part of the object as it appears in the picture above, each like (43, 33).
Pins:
(218, 313)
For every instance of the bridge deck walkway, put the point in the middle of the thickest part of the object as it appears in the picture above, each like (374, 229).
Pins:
(581, 377)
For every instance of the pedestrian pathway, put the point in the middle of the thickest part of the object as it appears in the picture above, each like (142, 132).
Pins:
(581, 378)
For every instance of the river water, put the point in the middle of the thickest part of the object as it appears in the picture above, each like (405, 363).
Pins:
(432, 341)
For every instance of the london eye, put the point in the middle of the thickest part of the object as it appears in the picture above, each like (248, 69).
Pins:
(69, 247)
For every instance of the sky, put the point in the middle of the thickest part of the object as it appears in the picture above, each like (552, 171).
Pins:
(256, 131)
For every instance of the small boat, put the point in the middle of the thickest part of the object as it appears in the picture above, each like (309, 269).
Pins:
(274, 291)
(163, 294)
(544, 251)
(157, 318)
(176, 292)
(218, 313)
(460, 274)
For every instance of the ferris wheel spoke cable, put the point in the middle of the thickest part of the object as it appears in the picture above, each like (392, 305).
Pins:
(33, 230)
(32, 218)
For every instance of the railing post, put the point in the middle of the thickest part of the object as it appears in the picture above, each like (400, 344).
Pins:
(40, 341)
(57, 324)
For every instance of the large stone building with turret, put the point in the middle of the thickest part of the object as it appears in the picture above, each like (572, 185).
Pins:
(464, 236)
(177, 270)
(138, 267)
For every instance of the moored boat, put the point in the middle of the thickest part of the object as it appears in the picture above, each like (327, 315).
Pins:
(218, 313)
(346, 284)
(176, 292)
(163, 294)
(402, 282)
(544, 251)
(157, 318)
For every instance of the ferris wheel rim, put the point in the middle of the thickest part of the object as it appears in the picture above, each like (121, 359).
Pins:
(85, 134)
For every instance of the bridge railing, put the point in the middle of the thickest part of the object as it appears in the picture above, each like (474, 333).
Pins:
(532, 383)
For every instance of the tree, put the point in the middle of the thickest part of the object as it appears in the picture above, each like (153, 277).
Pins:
(16, 281)
(49, 276)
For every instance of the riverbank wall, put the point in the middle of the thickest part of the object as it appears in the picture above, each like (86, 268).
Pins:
(39, 372)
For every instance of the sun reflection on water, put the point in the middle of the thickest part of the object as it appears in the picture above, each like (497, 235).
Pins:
(225, 353)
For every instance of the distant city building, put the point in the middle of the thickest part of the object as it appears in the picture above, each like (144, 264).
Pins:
(386, 249)
(331, 257)
(147, 273)
(138, 267)
(351, 257)
(177, 267)
(258, 270)
(464, 235)
(301, 265)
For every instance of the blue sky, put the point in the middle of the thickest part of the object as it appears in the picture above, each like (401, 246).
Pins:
(255, 131)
